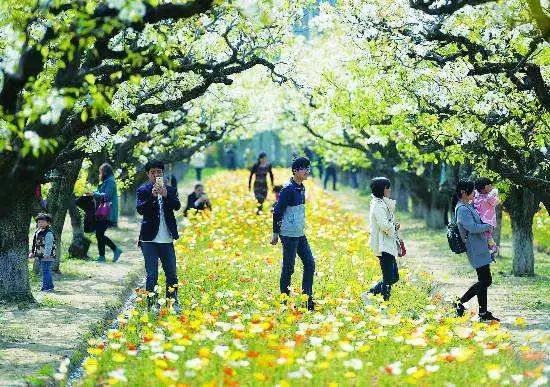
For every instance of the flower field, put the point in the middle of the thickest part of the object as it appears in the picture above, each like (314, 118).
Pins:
(235, 330)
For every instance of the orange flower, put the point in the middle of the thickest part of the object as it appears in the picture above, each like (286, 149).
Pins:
(229, 371)
(252, 354)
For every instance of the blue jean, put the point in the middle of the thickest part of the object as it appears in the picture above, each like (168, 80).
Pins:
(291, 247)
(390, 275)
(152, 252)
(47, 280)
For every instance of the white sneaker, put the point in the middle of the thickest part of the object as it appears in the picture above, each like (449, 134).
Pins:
(365, 296)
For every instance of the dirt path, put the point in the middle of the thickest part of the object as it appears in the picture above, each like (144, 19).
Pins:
(36, 337)
(509, 297)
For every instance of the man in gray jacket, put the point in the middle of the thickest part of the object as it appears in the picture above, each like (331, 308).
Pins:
(288, 224)
(472, 231)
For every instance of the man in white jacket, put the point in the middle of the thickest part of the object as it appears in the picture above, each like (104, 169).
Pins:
(383, 236)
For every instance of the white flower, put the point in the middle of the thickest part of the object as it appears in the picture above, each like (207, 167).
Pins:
(132, 11)
(301, 373)
(33, 138)
(467, 137)
(432, 367)
(543, 150)
(118, 374)
(221, 350)
(356, 364)
(194, 364)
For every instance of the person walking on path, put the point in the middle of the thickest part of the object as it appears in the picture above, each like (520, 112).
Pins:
(261, 168)
(44, 249)
(383, 236)
(107, 194)
(473, 233)
(198, 161)
(330, 172)
(288, 224)
(156, 202)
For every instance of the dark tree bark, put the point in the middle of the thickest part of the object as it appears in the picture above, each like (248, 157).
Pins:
(80, 244)
(59, 198)
(15, 219)
(522, 206)
(401, 193)
(128, 202)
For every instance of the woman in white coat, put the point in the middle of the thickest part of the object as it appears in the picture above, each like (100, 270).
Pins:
(384, 237)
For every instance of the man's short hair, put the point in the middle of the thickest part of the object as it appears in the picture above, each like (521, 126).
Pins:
(198, 185)
(464, 185)
(154, 164)
(300, 163)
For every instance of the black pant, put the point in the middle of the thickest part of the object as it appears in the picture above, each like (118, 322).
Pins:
(330, 172)
(100, 227)
(479, 289)
(198, 173)
(390, 275)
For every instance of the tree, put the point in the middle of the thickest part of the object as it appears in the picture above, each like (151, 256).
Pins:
(71, 69)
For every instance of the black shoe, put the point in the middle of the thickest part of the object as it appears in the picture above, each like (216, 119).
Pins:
(459, 308)
(311, 305)
(487, 317)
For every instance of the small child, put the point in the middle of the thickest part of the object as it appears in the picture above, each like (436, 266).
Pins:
(277, 191)
(485, 202)
(44, 249)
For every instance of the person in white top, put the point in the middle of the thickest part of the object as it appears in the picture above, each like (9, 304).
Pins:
(198, 161)
(384, 236)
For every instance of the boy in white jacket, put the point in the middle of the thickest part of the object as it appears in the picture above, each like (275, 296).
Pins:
(384, 236)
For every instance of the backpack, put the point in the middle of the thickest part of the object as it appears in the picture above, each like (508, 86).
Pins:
(453, 236)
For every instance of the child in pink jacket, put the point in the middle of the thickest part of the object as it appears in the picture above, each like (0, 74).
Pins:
(485, 202)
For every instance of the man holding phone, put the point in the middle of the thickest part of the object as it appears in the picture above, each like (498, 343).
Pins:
(157, 202)
(197, 200)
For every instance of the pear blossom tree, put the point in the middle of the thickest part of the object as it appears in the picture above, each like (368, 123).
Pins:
(78, 70)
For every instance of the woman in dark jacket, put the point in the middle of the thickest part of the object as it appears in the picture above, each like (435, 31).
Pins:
(261, 169)
(472, 231)
(106, 192)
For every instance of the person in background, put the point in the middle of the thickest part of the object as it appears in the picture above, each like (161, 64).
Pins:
(330, 172)
(198, 161)
(473, 233)
(197, 200)
(107, 193)
(156, 202)
(261, 169)
(44, 249)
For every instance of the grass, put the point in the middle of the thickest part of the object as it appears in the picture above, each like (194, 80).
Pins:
(234, 329)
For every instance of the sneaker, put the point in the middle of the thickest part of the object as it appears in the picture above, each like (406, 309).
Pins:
(177, 308)
(365, 297)
(459, 308)
(311, 305)
(116, 255)
(101, 258)
(487, 317)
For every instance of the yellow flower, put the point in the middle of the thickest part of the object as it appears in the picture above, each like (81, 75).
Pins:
(260, 377)
(118, 357)
(91, 365)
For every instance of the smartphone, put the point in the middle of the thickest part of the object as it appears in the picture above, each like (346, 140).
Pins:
(160, 181)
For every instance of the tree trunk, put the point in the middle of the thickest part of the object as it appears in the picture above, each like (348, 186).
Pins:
(498, 229)
(418, 208)
(80, 244)
(401, 194)
(128, 203)
(59, 198)
(15, 217)
(435, 215)
(522, 206)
